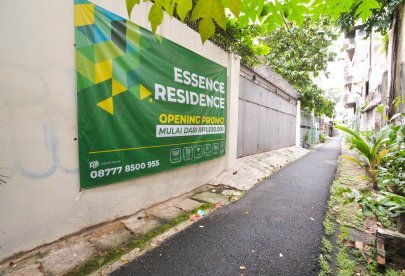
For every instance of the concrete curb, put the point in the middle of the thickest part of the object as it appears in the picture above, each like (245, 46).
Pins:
(72, 252)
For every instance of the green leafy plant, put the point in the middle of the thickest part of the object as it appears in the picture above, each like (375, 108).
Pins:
(372, 149)
(322, 138)
(384, 206)
(394, 203)
(301, 52)
(271, 14)
(391, 174)
(324, 264)
(378, 17)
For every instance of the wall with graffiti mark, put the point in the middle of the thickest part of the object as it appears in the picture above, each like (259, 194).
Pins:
(40, 200)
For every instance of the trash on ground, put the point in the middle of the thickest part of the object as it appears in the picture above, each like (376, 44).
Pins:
(195, 217)
(281, 255)
(201, 212)
(242, 267)
(201, 226)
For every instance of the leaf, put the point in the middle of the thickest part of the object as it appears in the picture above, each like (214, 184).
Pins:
(155, 16)
(381, 155)
(399, 100)
(235, 7)
(243, 21)
(206, 29)
(396, 116)
(353, 159)
(347, 130)
(210, 9)
(168, 6)
(365, 7)
(296, 12)
(130, 5)
(380, 108)
(183, 7)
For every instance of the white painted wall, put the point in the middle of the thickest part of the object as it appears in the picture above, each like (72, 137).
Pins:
(38, 115)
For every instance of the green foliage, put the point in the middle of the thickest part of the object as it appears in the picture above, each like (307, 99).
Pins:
(235, 6)
(384, 206)
(140, 242)
(278, 49)
(346, 265)
(300, 53)
(130, 5)
(326, 246)
(209, 11)
(183, 7)
(372, 148)
(392, 272)
(391, 175)
(325, 268)
(242, 41)
(375, 15)
(385, 155)
(372, 204)
(329, 226)
(270, 14)
(322, 138)
(155, 15)
(385, 41)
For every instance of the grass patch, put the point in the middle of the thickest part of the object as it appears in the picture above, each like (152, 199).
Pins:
(329, 226)
(344, 233)
(345, 263)
(350, 214)
(141, 243)
(392, 272)
(326, 246)
(325, 268)
(342, 215)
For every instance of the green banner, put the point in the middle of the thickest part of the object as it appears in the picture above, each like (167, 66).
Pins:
(145, 104)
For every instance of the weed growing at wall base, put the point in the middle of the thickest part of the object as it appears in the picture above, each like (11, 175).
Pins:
(141, 243)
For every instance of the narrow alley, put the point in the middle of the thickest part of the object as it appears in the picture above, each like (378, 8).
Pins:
(275, 229)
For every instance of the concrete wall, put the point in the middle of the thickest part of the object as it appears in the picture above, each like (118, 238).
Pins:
(38, 120)
(400, 66)
(267, 114)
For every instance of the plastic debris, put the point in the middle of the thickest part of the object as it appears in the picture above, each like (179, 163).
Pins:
(195, 217)
(242, 267)
(281, 255)
(201, 212)
(312, 219)
(201, 226)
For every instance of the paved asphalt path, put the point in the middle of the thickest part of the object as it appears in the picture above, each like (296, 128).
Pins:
(285, 214)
